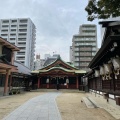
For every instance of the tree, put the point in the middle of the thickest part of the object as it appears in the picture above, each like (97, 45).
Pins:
(102, 9)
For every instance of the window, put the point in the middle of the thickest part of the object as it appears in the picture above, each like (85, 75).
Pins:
(12, 38)
(5, 21)
(23, 25)
(21, 34)
(4, 30)
(13, 21)
(21, 53)
(13, 25)
(21, 39)
(4, 26)
(23, 21)
(3, 34)
(12, 34)
(23, 30)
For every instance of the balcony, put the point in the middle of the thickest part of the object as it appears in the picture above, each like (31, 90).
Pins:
(86, 59)
(88, 29)
(86, 49)
(20, 59)
(22, 42)
(23, 26)
(22, 36)
(22, 50)
(23, 45)
(77, 59)
(22, 31)
(76, 54)
(76, 49)
(85, 54)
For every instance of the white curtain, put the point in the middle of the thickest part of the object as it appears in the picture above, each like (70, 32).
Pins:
(47, 81)
(67, 80)
(97, 73)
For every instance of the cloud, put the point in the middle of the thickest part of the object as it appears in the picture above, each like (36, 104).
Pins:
(56, 21)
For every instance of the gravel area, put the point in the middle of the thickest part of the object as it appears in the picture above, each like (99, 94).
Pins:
(69, 104)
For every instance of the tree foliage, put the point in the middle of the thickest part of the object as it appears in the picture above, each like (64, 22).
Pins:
(102, 9)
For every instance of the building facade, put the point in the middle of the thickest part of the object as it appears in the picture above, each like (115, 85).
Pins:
(38, 63)
(84, 46)
(104, 77)
(71, 54)
(20, 32)
(7, 67)
(58, 74)
(50, 59)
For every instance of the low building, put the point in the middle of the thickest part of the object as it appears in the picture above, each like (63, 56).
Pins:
(13, 74)
(6, 64)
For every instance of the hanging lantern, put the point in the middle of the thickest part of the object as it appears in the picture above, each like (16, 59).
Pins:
(116, 63)
(103, 77)
(97, 73)
(102, 71)
(86, 80)
(67, 80)
(47, 81)
(107, 68)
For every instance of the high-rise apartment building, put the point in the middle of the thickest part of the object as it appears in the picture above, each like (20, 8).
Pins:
(84, 46)
(20, 32)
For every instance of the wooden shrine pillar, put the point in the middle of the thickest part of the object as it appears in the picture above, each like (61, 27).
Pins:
(38, 85)
(6, 82)
(77, 83)
(12, 58)
(10, 82)
(67, 85)
(48, 86)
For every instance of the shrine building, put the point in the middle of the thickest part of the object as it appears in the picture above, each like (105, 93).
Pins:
(58, 72)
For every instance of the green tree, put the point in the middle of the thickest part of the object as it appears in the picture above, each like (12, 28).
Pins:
(102, 9)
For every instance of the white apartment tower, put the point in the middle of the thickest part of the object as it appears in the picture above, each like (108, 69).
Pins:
(84, 46)
(22, 33)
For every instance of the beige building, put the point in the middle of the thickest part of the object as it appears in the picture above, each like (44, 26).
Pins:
(84, 46)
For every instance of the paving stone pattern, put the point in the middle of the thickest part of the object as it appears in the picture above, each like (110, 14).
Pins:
(43, 107)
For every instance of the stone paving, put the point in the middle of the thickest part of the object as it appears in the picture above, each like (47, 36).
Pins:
(102, 103)
(42, 107)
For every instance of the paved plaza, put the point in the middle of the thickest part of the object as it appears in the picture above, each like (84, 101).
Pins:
(44, 104)
(42, 107)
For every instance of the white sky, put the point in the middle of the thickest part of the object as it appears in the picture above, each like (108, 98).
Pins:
(56, 22)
